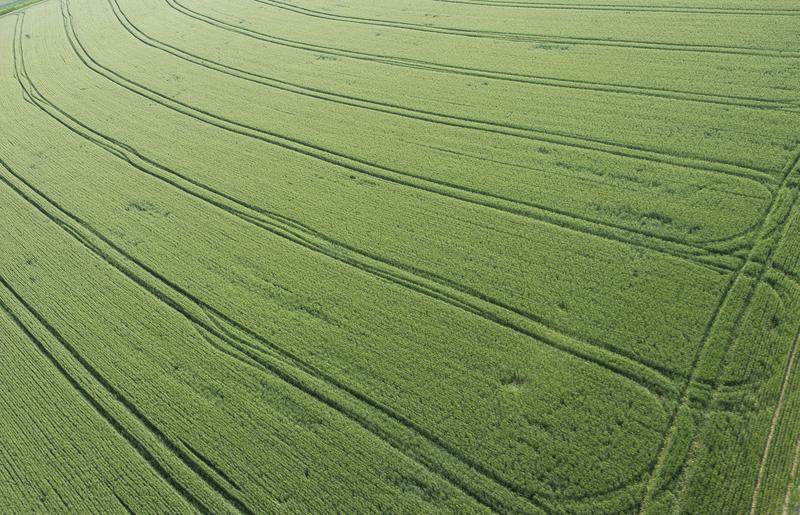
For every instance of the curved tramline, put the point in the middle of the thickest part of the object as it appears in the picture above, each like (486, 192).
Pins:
(391, 108)
(193, 129)
(518, 116)
(492, 72)
(530, 37)
(429, 256)
(496, 201)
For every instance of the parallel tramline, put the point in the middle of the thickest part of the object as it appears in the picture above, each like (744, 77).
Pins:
(465, 256)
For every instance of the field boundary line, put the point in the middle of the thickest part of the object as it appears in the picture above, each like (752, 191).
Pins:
(13, 8)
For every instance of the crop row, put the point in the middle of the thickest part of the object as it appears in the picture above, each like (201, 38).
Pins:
(146, 215)
(168, 158)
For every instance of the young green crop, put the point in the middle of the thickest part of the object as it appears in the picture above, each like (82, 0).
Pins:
(439, 256)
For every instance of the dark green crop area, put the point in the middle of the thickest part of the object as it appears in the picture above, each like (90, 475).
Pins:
(413, 256)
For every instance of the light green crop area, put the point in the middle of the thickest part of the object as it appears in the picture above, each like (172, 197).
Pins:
(420, 256)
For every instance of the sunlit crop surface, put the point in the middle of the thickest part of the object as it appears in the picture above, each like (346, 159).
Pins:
(416, 256)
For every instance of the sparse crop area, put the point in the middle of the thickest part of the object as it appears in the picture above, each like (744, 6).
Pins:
(420, 256)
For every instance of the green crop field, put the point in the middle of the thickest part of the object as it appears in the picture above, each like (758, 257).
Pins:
(412, 256)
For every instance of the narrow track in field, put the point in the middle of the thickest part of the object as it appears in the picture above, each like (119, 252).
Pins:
(199, 315)
(274, 83)
(377, 171)
(117, 396)
(523, 37)
(650, 375)
(449, 69)
(521, 210)
(140, 448)
(774, 422)
(710, 98)
(696, 246)
(789, 168)
(491, 318)
(148, 286)
(583, 142)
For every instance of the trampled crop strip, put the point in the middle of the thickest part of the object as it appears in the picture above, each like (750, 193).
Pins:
(787, 499)
(206, 309)
(140, 447)
(510, 36)
(250, 348)
(255, 349)
(715, 384)
(629, 8)
(395, 109)
(418, 272)
(209, 64)
(246, 337)
(300, 234)
(709, 98)
(528, 213)
(650, 375)
(452, 191)
(768, 265)
(627, 150)
(211, 465)
(620, 149)
(790, 167)
(740, 314)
